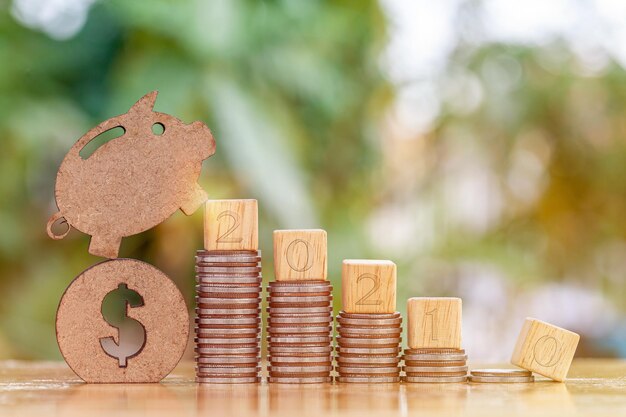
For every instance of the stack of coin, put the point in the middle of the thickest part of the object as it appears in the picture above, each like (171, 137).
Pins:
(300, 331)
(368, 347)
(501, 376)
(228, 316)
(435, 365)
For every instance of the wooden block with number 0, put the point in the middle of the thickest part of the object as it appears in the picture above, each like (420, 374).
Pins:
(300, 255)
(434, 322)
(231, 225)
(368, 286)
(545, 349)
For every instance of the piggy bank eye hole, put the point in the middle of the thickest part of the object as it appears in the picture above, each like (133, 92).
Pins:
(158, 129)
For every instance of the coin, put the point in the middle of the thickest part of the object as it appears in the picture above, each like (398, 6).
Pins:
(299, 380)
(229, 301)
(226, 341)
(369, 322)
(437, 369)
(205, 280)
(502, 380)
(300, 359)
(210, 332)
(229, 322)
(231, 380)
(367, 350)
(437, 364)
(228, 270)
(303, 283)
(353, 370)
(228, 311)
(230, 350)
(367, 379)
(219, 359)
(435, 380)
(304, 321)
(440, 351)
(299, 330)
(299, 310)
(367, 360)
(226, 291)
(370, 342)
(369, 316)
(303, 350)
(365, 332)
(292, 369)
(300, 340)
(502, 373)
(225, 370)
(297, 289)
(299, 299)
(435, 357)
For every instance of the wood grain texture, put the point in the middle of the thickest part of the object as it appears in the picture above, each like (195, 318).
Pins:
(134, 182)
(434, 322)
(300, 254)
(33, 389)
(545, 349)
(80, 324)
(231, 225)
(368, 286)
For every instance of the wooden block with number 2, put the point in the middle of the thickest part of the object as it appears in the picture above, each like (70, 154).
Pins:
(434, 322)
(368, 286)
(300, 255)
(231, 225)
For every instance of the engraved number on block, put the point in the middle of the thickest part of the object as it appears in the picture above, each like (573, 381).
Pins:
(363, 301)
(547, 351)
(230, 221)
(433, 324)
(299, 265)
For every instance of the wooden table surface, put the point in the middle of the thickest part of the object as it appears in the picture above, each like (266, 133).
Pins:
(594, 387)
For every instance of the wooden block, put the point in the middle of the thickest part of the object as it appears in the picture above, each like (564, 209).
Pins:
(545, 349)
(368, 286)
(434, 322)
(134, 182)
(300, 255)
(231, 225)
(144, 344)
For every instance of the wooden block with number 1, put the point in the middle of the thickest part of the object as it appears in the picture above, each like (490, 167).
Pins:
(368, 286)
(300, 255)
(544, 348)
(231, 225)
(434, 322)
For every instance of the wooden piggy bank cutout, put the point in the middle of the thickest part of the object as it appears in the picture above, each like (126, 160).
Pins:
(133, 182)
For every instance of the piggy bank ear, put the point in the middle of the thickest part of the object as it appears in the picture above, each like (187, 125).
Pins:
(145, 103)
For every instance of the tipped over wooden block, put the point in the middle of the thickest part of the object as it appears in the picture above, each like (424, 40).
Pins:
(368, 286)
(434, 322)
(545, 349)
(231, 225)
(300, 255)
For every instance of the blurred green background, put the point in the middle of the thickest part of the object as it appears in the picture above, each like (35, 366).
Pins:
(481, 145)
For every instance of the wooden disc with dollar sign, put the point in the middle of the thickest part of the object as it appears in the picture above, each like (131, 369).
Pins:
(142, 343)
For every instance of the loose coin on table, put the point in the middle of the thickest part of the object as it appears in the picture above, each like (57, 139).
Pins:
(501, 376)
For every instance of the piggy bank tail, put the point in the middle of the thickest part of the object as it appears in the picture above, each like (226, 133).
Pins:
(55, 217)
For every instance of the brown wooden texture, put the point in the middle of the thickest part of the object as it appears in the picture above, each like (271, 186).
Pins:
(231, 225)
(300, 255)
(368, 286)
(133, 182)
(544, 348)
(434, 322)
(80, 324)
(594, 388)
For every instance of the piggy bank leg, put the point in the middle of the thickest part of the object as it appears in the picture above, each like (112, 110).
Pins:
(105, 246)
(196, 197)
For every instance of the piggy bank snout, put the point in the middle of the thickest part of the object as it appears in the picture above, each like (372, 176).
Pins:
(201, 139)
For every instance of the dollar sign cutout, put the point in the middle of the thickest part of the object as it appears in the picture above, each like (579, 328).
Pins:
(131, 333)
